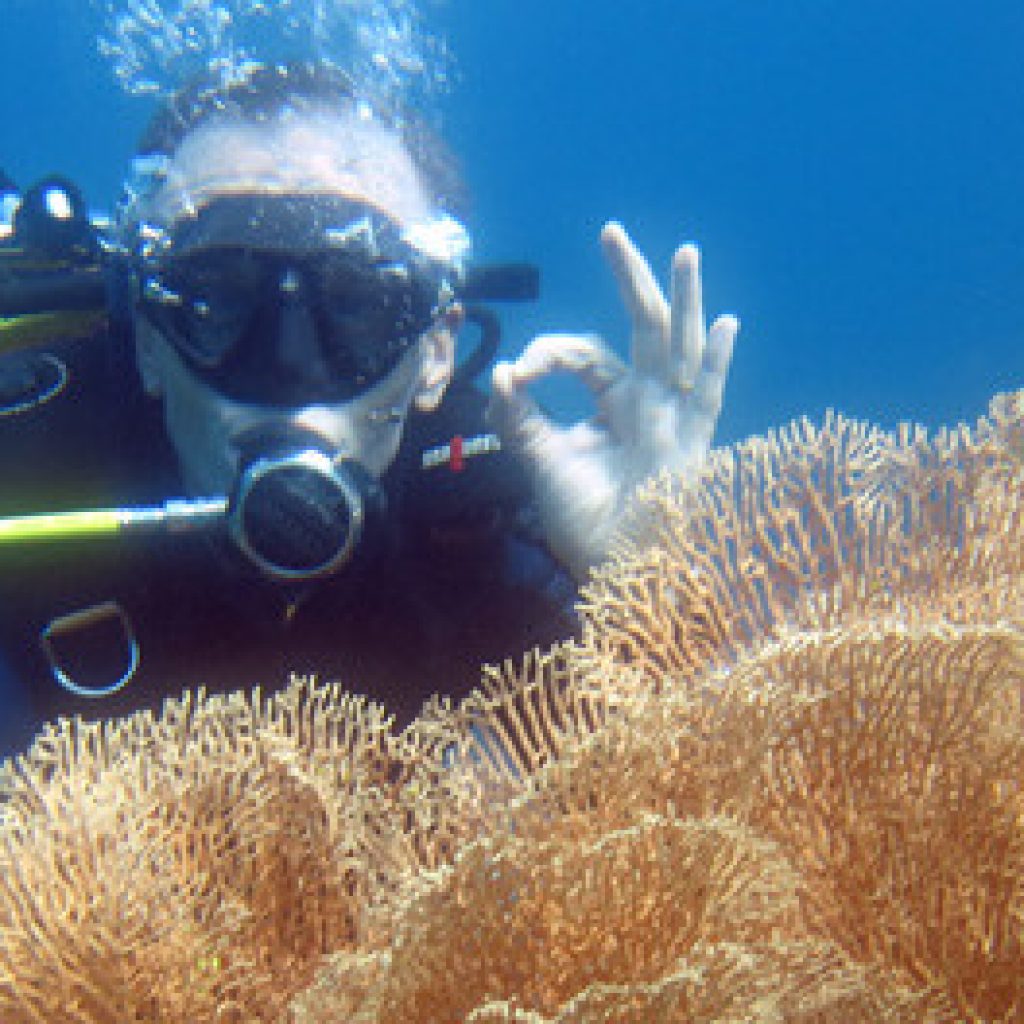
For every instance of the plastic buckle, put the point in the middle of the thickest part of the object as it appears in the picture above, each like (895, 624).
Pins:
(76, 623)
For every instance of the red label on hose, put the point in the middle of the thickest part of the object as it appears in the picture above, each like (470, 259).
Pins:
(456, 461)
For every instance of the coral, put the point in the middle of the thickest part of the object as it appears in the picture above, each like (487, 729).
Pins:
(191, 866)
(776, 779)
(676, 920)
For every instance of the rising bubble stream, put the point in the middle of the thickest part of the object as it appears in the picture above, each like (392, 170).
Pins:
(155, 46)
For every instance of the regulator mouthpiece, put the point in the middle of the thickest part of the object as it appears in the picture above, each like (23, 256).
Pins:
(298, 516)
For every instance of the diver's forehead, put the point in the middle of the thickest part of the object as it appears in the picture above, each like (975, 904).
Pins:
(312, 152)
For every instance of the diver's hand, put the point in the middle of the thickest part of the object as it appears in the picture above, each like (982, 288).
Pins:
(658, 413)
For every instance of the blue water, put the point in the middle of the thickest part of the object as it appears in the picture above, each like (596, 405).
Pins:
(852, 171)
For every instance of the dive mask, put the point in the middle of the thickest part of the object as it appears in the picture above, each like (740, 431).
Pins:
(287, 300)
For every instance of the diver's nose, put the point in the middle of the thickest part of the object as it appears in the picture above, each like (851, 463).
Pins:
(298, 344)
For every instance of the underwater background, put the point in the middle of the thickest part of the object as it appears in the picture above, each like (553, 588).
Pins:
(778, 777)
(852, 172)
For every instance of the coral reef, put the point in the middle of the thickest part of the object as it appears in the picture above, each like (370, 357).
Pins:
(778, 778)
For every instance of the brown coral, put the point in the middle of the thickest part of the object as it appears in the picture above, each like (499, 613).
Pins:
(193, 866)
(778, 780)
(696, 918)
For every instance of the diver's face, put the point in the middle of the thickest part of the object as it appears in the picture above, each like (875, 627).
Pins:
(315, 154)
(213, 436)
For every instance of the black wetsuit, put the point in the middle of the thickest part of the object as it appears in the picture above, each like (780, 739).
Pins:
(453, 578)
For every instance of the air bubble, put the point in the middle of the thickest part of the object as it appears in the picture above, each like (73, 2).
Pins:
(156, 46)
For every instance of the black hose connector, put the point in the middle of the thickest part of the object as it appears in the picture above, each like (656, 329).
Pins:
(24, 292)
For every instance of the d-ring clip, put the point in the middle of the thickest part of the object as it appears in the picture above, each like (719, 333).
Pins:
(76, 623)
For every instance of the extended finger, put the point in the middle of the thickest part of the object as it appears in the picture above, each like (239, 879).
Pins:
(710, 383)
(648, 310)
(686, 339)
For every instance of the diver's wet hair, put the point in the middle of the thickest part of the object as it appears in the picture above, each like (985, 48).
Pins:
(262, 92)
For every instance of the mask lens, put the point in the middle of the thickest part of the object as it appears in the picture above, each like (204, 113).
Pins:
(225, 320)
(231, 306)
(371, 315)
(218, 292)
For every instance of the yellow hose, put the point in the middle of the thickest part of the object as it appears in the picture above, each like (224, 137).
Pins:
(61, 525)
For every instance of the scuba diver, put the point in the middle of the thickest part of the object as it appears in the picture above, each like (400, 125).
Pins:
(235, 439)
